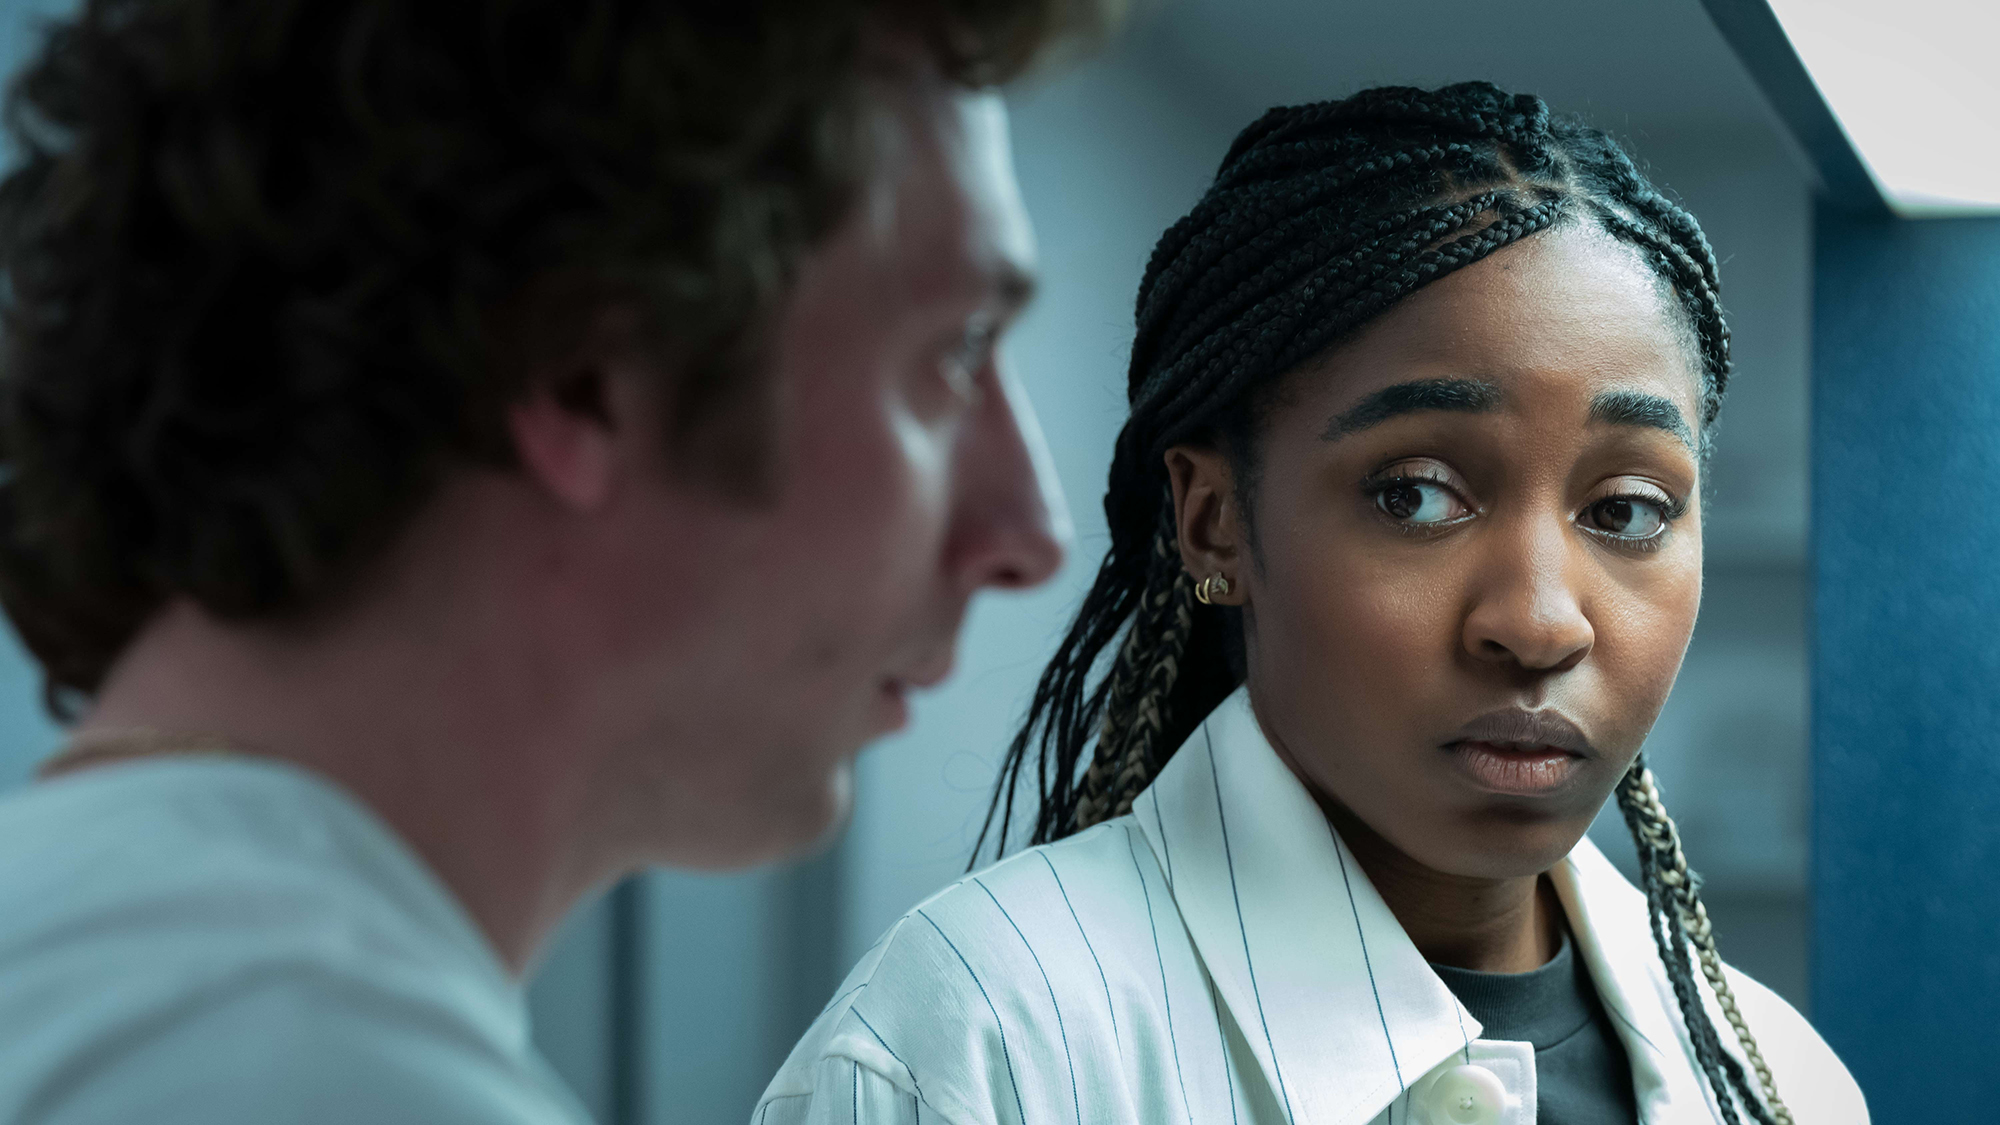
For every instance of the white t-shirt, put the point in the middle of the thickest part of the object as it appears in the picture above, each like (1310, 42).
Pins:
(233, 940)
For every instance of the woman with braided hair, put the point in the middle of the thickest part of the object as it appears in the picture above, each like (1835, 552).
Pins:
(1405, 555)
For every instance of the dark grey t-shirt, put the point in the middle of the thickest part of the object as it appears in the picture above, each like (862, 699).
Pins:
(1582, 1075)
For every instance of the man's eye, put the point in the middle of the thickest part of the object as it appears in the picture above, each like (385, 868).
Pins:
(1627, 517)
(1419, 502)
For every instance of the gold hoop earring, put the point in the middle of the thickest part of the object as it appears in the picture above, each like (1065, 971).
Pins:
(1210, 588)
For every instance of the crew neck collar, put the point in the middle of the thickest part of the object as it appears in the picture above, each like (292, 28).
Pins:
(1541, 1007)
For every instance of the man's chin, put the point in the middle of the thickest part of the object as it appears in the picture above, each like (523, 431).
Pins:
(836, 810)
(789, 820)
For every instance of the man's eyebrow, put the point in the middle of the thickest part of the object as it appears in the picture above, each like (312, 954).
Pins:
(1460, 396)
(1636, 408)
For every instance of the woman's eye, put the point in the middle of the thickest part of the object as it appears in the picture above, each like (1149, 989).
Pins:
(1627, 517)
(1419, 502)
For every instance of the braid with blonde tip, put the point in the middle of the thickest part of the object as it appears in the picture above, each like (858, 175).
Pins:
(1141, 697)
(1680, 924)
(1321, 218)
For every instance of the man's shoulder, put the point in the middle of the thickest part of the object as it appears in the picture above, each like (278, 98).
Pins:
(205, 861)
(286, 1046)
(168, 919)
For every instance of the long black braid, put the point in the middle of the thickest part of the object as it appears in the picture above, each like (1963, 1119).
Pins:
(1320, 218)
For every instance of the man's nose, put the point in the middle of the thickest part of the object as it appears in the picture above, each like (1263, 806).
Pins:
(1527, 608)
(1011, 525)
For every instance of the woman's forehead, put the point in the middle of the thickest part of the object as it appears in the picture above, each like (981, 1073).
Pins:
(1571, 308)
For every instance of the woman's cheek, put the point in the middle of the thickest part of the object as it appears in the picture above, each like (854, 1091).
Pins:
(1353, 626)
(1643, 650)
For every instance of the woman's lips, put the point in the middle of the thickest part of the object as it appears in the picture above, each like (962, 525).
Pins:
(1515, 769)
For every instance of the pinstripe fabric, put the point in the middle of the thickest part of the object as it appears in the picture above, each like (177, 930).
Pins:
(1084, 936)
(1055, 1005)
(1219, 957)
(1166, 991)
(1242, 929)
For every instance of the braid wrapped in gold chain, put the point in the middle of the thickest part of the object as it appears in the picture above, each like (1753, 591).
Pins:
(1141, 689)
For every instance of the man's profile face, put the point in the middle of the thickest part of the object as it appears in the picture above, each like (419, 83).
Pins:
(911, 475)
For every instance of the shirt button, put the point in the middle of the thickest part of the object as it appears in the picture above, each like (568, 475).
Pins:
(1466, 1095)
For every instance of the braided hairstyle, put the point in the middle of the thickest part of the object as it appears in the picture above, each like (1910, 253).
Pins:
(1320, 218)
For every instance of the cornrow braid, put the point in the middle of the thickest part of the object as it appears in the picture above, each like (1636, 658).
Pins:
(1680, 920)
(1320, 218)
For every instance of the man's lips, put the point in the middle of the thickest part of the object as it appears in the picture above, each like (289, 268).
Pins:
(927, 674)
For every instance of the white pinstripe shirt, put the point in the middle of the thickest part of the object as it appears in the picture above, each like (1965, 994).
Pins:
(1218, 956)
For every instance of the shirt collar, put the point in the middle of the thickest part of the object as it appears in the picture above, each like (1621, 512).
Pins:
(1609, 919)
(1338, 1006)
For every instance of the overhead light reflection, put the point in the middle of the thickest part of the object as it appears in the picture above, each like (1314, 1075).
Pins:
(1916, 84)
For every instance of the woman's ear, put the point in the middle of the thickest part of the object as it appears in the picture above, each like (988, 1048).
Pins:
(1207, 520)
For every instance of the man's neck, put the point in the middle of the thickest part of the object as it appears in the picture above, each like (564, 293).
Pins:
(1488, 925)
(413, 701)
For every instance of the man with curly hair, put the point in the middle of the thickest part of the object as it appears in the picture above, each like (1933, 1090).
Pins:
(455, 454)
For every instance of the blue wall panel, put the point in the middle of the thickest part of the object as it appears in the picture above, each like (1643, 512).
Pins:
(1906, 658)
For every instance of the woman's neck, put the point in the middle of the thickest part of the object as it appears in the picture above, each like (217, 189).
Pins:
(1508, 925)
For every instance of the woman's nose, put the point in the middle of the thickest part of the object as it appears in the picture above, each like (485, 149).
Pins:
(1527, 606)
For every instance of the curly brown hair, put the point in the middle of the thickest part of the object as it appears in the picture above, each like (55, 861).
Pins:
(251, 259)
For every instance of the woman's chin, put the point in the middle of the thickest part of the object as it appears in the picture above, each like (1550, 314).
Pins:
(1484, 850)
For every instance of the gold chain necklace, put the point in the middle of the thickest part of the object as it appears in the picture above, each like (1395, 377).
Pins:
(99, 748)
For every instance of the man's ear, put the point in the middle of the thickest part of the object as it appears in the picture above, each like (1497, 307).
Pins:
(565, 433)
(1206, 519)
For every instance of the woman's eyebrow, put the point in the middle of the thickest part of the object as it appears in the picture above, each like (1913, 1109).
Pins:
(1461, 396)
(1636, 408)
